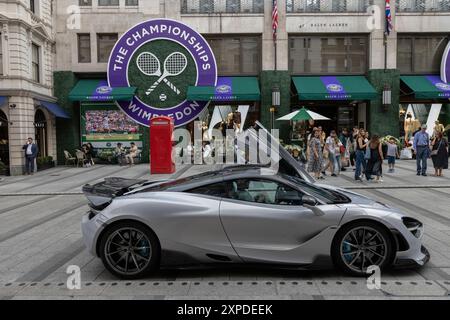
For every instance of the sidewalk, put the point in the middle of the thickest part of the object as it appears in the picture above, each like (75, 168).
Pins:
(69, 180)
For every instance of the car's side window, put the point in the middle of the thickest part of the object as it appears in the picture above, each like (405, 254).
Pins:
(264, 191)
(214, 190)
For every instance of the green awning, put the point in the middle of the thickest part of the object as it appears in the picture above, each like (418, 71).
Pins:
(334, 88)
(227, 89)
(427, 87)
(98, 90)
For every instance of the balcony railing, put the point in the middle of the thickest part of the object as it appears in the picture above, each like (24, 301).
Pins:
(294, 6)
(423, 5)
(222, 6)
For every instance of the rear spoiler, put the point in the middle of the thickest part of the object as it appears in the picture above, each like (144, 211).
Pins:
(103, 192)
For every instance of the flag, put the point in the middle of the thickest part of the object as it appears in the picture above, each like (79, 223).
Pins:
(274, 19)
(389, 26)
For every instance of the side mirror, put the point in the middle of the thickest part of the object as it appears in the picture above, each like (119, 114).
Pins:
(308, 200)
(311, 203)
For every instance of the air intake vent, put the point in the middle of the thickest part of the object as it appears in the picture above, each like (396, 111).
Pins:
(218, 257)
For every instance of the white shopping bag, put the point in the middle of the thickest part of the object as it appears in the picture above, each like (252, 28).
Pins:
(406, 153)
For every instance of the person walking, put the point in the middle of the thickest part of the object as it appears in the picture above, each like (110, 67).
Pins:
(439, 153)
(31, 151)
(354, 136)
(331, 146)
(359, 154)
(346, 140)
(315, 160)
(339, 154)
(422, 148)
(376, 159)
(392, 154)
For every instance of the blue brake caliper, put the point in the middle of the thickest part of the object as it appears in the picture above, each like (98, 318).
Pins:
(144, 251)
(346, 248)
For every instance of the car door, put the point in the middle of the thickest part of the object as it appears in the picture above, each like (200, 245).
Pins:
(266, 222)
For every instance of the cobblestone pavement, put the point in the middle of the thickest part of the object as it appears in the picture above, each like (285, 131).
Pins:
(40, 237)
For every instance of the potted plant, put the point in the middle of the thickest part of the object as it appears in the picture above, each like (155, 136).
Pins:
(44, 163)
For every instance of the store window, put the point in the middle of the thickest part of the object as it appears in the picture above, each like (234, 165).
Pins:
(105, 43)
(36, 62)
(237, 55)
(84, 48)
(328, 55)
(420, 54)
(108, 2)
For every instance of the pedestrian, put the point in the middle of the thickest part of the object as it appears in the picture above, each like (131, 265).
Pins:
(31, 151)
(392, 154)
(119, 153)
(331, 148)
(132, 153)
(439, 153)
(359, 154)
(92, 152)
(422, 148)
(315, 160)
(346, 140)
(354, 136)
(375, 161)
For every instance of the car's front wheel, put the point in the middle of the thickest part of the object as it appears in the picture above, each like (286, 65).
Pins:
(360, 245)
(129, 250)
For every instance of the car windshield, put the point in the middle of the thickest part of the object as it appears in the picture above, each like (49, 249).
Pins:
(328, 196)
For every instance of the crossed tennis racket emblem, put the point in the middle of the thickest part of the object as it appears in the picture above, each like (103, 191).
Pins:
(174, 65)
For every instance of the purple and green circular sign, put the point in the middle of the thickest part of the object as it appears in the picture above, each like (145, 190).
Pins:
(162, 58)
(445, 65)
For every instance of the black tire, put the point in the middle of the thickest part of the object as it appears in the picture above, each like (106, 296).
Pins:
(119, 255)
(345, 253)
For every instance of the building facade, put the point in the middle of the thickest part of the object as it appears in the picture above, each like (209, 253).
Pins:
(27, 51)
(317, 41)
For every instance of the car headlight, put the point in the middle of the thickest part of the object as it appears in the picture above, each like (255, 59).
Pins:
(414, 226)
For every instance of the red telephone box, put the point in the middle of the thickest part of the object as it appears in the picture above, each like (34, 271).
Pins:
(161, 131)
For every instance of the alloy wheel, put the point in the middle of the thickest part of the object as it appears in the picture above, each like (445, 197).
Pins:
(362, 247)
(128, 251)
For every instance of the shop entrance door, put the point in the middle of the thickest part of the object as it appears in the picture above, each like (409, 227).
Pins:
(40, 124)
(341, 116)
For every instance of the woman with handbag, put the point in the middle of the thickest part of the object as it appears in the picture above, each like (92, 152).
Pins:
(439, 154)
(375, 161)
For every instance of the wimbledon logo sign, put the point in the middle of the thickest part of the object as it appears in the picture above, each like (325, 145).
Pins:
(162, 58)
(445, 65)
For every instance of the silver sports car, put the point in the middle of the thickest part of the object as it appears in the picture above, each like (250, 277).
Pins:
(243, 215)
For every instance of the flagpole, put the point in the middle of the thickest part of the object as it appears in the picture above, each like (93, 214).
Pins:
(385, 50)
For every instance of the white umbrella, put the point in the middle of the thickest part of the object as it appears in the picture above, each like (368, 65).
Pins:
(312, 115)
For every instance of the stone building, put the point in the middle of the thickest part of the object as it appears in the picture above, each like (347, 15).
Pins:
(27, 103)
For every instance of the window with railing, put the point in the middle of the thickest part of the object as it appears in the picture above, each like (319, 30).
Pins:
(423, 5)
(300, 6)
(222, 6)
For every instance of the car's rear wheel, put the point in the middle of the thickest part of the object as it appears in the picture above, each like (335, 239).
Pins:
(129, 250)
(360, 245)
